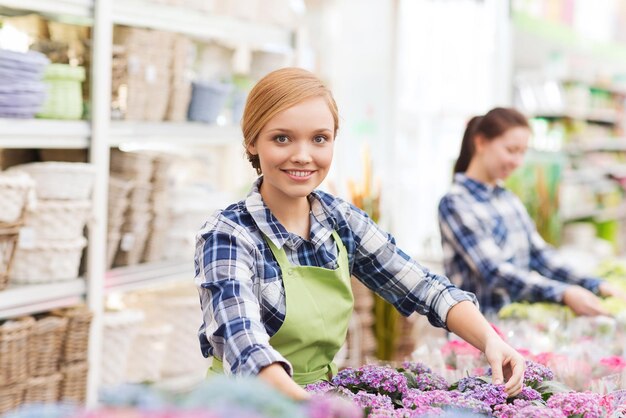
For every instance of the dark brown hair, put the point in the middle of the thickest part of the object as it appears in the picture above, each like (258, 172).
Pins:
(492, 125)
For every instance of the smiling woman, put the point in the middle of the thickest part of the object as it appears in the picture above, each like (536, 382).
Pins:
(274, 270)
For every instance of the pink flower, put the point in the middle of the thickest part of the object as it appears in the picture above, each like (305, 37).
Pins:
(459, 348)
(615, 363)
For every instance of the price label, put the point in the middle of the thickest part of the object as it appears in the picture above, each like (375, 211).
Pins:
(128, 240)
(27, 238)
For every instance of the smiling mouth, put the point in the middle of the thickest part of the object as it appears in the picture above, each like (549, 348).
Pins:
(299, 173)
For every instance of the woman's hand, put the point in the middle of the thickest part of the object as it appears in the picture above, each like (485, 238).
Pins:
(506, 365)
(583, 302)
(608, 289)
(276, 376)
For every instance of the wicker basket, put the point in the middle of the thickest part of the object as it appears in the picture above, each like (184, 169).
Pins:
(76, 341)
(120, 329)
(64, 154)
(135, 165)
(65, 98)
(14, 190)
(48, 261)
(14, 336)
(74, 384)
(45, 345)
(11, 397)
(60, 180)
(113, 244)
(43, 389)
(147, 354)
(59, 219)
(9, 235)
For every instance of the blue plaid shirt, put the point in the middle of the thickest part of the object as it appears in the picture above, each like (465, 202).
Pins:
(240, 283)
(492, 248)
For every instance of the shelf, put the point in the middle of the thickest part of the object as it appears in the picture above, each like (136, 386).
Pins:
(545, 35)
(172, 133)
(606, 145)
(44, 133)
(61, 9)
(30, 299)
(143, 276)
(608, 116)
(605, 214)
(202, 25)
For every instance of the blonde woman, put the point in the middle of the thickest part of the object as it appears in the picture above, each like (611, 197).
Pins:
(273, 270)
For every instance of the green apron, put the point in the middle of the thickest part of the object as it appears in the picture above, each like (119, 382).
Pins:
(319, 304)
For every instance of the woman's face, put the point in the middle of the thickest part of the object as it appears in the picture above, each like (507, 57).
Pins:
(295, 149)
(502, 155)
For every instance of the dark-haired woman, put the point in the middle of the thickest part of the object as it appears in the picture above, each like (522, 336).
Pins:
(491, 246)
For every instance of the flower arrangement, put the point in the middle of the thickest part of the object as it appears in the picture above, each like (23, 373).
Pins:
(414, 390)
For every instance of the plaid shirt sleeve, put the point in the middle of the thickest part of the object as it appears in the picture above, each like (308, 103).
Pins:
(477, 245)
(397, 278)
(547, 262)
(231, 313)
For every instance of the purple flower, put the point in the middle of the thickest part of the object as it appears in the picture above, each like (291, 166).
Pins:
(373, 379)
(526, 409)
(325, 406)
(469, 383)
(536, 373)
(430, 381)
(416, 399)
(320, 387)
(415, 367)
(421, 412)
(585, 404)
(529, 394)
(370, 400)
(488, 393)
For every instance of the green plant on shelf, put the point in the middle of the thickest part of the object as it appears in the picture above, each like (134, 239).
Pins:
(537, 185)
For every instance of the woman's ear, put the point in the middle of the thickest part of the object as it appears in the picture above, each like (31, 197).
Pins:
(479, 142)
(252, 149)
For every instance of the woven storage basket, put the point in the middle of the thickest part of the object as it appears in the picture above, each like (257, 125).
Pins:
(140, 196)
(147, 354)
(9, 235)
(65, 98)
(48, 261)
(176, 306)
(60, 180)
(62, 154)
(182, 355)
(133, 165)
(76, 341)
(43, 389)
(59, 219)
(46, 345)
(74, 383)
(14, 336)
(120, 329)
(14, 190)
(113, 244)
(11, 397)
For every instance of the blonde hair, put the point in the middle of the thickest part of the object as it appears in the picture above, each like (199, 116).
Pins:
(276, 92)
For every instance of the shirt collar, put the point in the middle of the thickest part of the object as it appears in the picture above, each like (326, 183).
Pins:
(479, 189)
(322, 222)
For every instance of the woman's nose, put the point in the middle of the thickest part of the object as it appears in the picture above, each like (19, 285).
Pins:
(302, 154)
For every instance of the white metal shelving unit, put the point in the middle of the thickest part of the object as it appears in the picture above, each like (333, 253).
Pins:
(100, 134)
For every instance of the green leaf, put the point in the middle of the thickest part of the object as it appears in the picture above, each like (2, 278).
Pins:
(548, 388)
